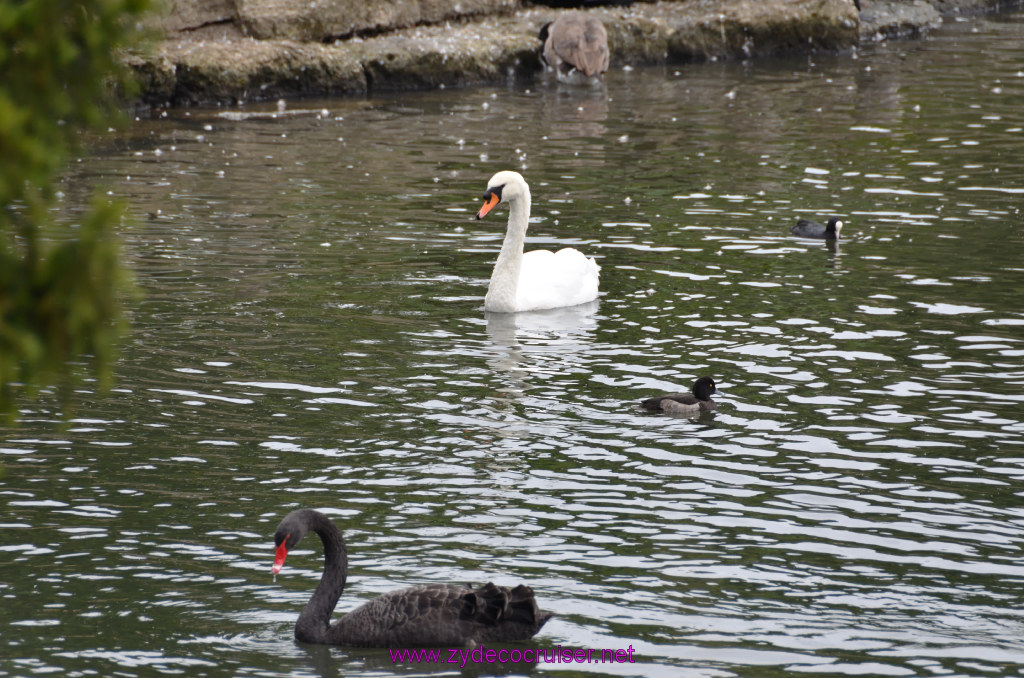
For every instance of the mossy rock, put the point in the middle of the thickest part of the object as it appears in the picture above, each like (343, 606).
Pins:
(745, 28)
(327, 20)
(429, 58)
(247, 70)
(638, 41)
(886, 20)
(217, 64)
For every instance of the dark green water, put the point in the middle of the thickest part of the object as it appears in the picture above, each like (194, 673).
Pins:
(312, 334)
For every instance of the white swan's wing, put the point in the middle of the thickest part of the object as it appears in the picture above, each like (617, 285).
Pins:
(553, 279)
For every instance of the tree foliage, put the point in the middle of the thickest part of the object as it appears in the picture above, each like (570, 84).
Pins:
(61, 285)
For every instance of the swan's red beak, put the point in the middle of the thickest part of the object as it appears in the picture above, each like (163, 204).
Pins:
(279, 556)
(492, 201)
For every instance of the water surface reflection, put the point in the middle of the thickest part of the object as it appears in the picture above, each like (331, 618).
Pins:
(312, 334)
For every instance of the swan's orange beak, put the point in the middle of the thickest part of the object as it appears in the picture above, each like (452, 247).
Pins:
(492, 201)
(279, 556)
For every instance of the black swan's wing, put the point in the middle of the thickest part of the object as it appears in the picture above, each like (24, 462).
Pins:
(493, 605)
(442, 615)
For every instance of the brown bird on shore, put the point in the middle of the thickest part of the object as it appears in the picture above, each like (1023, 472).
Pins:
(576, 47)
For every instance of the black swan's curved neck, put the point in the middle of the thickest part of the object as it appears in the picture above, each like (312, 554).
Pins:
(314, 622)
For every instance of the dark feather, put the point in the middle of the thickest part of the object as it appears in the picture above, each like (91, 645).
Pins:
(697, 400)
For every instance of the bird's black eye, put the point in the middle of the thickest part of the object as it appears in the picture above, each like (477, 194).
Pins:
(493, 191)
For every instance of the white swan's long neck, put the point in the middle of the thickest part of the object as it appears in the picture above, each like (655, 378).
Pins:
(501, 293)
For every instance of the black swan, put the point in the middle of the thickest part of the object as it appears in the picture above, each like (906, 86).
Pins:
(696, 401)
(429, 615)
(812, 229)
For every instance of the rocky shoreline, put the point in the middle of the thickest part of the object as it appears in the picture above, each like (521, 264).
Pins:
(226, 52)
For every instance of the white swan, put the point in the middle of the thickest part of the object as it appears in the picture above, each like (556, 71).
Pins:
(539, 279)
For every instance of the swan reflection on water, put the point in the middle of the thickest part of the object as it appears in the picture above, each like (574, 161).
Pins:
(539, 341)
(564, 323)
